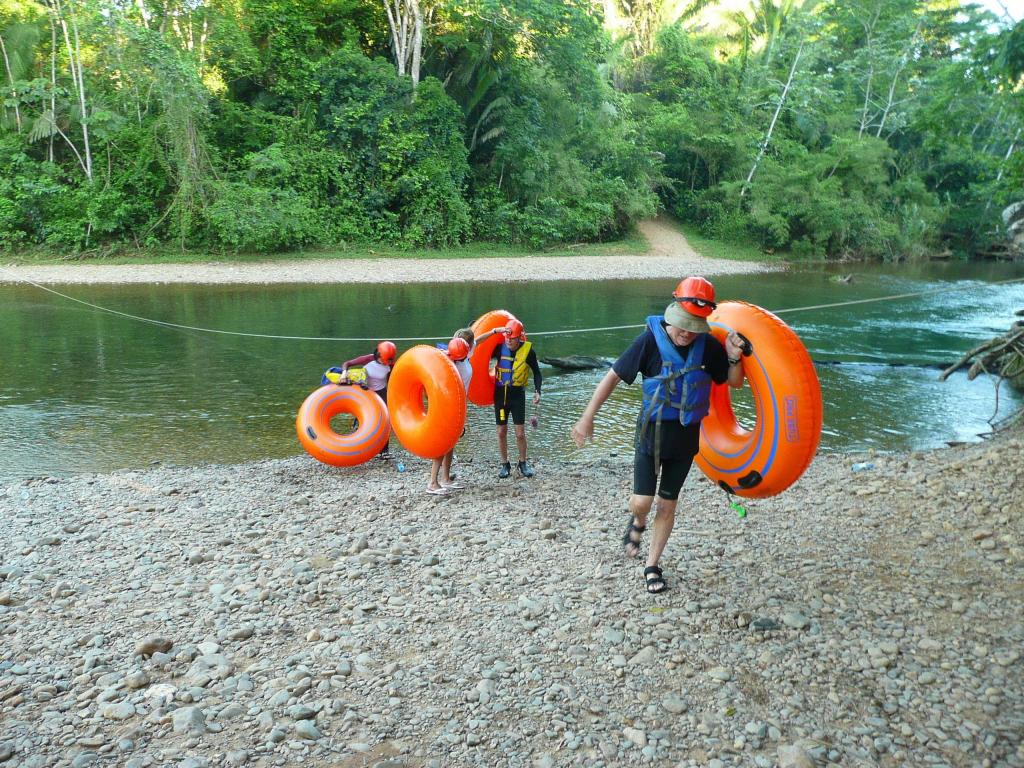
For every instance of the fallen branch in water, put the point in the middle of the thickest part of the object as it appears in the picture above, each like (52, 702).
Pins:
(1002, 357)
(1000, 353)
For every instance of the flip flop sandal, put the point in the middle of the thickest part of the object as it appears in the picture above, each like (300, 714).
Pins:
(454, 486)
(437, 491)
(654, 580)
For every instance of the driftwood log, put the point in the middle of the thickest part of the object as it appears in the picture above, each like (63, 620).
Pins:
(577, 362)
(1002, 357)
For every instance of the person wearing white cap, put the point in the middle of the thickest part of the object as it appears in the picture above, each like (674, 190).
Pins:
(679, 359)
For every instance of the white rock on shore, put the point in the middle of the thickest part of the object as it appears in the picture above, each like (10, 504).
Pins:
(343, 617)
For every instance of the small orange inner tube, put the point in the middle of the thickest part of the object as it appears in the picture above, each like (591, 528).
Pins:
(427, 402)
(481, 386)
(767, 459)
(313, 425)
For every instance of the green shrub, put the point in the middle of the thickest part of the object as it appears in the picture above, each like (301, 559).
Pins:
(249, 218)
(401, 154)
(11, 232)
(494, 217)
(14, 224)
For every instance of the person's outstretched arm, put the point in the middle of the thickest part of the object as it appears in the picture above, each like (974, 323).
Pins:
(488, 334)
(584, 428)
(361, 360)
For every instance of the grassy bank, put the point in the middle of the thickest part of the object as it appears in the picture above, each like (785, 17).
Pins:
(632, 244)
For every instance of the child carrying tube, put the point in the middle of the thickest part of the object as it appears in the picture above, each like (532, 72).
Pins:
(442, 481)
(376, 368)
(458, 353)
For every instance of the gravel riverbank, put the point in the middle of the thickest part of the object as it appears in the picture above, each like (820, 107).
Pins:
(288, 613)
(320, 271)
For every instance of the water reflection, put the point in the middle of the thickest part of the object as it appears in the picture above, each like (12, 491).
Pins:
(83, 391)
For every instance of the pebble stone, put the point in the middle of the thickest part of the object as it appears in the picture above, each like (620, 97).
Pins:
(284, 613)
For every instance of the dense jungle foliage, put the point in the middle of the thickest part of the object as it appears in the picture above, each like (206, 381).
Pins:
(880, 128)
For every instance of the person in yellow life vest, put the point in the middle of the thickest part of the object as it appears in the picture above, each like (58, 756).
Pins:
(513, 360)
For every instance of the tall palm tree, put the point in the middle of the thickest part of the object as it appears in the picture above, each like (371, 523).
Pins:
(17, 41)
(474, 64)
(643, 19)
(763, 23)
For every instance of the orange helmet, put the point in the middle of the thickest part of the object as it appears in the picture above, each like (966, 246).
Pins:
(458, 349)
(386, 352)
(515, 329)
(696, 295)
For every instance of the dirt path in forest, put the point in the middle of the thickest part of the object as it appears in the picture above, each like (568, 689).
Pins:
(665, 239)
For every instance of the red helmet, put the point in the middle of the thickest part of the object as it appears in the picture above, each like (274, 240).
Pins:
(458, 349)
(386, 352)
(515, 329)
(696, 295)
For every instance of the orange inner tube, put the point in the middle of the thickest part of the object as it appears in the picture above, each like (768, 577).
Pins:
(773, 455)
(432, 430)
(481, 386)
(313, 425)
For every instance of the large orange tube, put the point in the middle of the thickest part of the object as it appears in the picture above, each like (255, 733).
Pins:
(422, 373)
(787, 397)
(313, 425)
(481, 386)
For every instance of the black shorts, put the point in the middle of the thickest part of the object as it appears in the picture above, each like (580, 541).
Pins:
(673, 475)
(509, 401)
(677, 445)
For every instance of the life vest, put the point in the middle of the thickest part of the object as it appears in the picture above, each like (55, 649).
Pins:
(335, 375)
(682, 391)
(512, 368)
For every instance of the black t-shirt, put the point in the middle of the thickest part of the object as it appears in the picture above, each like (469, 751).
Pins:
(644, 358)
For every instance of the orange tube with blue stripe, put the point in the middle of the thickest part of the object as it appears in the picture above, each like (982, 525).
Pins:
(767, 459)
(313, 425)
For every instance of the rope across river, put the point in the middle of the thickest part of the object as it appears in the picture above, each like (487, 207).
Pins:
(560, 332)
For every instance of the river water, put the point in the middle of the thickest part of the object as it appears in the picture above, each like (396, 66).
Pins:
(84, 391)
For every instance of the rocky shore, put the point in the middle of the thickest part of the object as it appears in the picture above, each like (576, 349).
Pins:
(320, 271)
(286, 613)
